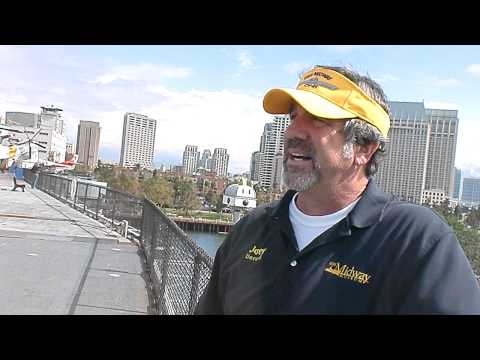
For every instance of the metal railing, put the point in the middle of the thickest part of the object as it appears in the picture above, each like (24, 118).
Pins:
(177, 268)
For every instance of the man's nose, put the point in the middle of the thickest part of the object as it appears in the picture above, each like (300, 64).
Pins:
(298, 128)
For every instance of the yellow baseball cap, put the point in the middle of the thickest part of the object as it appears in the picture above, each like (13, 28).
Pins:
(328, 94)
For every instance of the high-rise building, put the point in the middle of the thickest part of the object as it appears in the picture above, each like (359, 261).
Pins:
(456, 184)
(271, 143)
(88, 141)
(138, 140)
(21, 119)
(51, 118)
(206, 160)
(255, 165)
(470, 192)
(190, 159)
(420, 151)
(220, 161)
(277, 182)
(70, 148)
(441, 150)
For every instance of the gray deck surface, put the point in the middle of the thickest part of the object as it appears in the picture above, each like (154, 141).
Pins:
(56, 260)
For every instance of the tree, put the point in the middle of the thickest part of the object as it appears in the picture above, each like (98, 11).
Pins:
(159, 190)
(186, 195)
(456, 212)
(80, 169)
(121, 179)
(264, 197)
(218, 202)
(210, 197)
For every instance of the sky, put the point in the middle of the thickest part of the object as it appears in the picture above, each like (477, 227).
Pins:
(211, 96)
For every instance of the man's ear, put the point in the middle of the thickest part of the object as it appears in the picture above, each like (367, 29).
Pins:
(363, 153)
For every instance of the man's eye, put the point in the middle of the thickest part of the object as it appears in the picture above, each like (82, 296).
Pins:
(318, 123)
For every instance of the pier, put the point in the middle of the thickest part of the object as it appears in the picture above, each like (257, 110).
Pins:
(192, 224)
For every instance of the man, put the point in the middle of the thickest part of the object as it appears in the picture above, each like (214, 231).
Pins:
(335, 243)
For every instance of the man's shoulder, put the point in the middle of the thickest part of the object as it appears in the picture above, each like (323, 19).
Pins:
(405, 209)
(415, 219)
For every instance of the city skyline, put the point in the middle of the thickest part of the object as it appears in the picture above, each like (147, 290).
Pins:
(200, 101)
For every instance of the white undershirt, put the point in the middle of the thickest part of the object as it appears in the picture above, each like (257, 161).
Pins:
(307, 227)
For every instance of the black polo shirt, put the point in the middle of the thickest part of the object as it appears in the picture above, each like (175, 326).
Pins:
(385, 257)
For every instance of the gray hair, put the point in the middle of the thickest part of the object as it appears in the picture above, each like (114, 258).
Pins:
(358, 131)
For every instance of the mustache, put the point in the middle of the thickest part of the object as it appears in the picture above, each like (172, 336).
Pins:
(300, 144)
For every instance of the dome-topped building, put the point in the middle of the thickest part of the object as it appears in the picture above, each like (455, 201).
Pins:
(240, 196)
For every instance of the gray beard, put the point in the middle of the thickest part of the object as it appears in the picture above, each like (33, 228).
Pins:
(300, 181)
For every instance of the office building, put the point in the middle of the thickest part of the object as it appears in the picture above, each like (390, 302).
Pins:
(138, 140)
(470, 192)
(457, 183)
(220, 161)
(255, 165)
(190, 159)
(88, 141)
(206, 161)
(21, 119)
(277, 182)
(51, 118)
(271, 144)
(70, 149)
(442, 147)
(420, 151)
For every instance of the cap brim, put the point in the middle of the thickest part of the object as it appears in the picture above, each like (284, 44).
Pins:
(278, 101)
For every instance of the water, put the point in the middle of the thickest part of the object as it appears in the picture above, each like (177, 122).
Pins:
(210, 242)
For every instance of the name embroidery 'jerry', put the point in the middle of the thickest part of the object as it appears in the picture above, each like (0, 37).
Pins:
(346, 272)
(255, 254)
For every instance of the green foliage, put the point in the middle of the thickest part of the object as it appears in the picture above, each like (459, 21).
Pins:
(210, 196)
(121, 179)
(80, 169)
(473, 219)
(159, 190)
(185, 195)
(264, 197)
(469, 238)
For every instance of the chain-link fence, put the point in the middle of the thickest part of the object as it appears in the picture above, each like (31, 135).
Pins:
(177, 268)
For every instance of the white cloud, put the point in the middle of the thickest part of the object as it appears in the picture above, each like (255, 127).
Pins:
(441, 105)
(209, 119)
(141, 72)
(474, 69)
(246, 60)
(467, 141)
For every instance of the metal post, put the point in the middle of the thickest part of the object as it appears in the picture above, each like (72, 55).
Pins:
(67, 188)
(195, 282)
(85, 198)
(98, 203)
(114, 207)
(55, 187)
(76, 195)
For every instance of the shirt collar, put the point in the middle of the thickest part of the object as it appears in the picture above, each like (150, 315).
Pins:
(368, 211)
